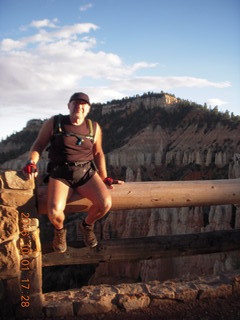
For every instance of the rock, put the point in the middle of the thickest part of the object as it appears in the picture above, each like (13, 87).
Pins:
(8, 224)
(129, 175)
(234, 167)
(184, 292)
(161, 291)
(93, 300)
(23, 199)
(97, 300)
(222, 290)
(9, 260)
(93, 305)
(35, 309)
(12, 290)
(146, 102)
(15, 180)
(219, 218)
(236, 284)
(133, 288)
(133, 301)
(58, 309)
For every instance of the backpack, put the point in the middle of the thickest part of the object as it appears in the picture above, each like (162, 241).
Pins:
(58, 130)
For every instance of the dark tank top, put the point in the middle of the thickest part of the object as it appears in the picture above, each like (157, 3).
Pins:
(66, 147)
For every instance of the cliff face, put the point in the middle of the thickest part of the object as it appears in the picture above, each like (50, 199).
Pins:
(147, 102)
(159, 137)
(158, 146)
(13, 148)
(189, 149)
(167, 221)
(181, 145)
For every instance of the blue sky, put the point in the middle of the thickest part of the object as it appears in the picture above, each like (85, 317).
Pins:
(111, 49)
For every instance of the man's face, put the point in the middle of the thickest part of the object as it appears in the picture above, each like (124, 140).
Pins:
(79, 107)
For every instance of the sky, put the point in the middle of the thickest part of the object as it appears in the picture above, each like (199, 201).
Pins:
(111, 49)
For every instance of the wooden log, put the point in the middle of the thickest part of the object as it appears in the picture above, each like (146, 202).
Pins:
(158, 194)
(145, 248)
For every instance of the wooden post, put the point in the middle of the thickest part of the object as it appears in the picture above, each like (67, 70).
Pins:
(158, 194)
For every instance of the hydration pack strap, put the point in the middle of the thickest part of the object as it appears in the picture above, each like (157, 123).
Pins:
(90, 126)
(57, 130)
(57, 124)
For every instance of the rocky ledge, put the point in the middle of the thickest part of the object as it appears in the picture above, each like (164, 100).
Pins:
(106, 298)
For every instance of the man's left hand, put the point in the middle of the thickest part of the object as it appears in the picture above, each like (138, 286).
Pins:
(110, 181)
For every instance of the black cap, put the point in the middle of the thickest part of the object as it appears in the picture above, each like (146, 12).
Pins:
(80, 96)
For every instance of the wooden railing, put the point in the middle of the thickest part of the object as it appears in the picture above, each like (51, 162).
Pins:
(146, 248)
(20, 245)
(158, 194)
(135, 195)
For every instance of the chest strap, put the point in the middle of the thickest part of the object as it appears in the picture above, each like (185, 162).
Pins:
(57, 125)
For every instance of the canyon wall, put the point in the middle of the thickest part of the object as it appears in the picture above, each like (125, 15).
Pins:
(167, 221)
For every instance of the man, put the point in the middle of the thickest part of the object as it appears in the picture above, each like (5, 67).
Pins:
(77, 162)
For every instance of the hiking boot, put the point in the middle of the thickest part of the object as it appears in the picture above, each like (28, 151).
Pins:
(89, 237)
(59, 240)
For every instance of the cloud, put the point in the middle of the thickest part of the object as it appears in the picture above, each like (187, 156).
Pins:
(9, 44)
(216, 102)
(165, 83)
(59, 59)
(66, 32)
(86, 7)
(44, 69)
(142, 65)
(44, 23)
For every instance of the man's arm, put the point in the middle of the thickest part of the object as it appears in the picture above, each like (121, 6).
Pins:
(99, 159)
(98, 154)
(39, 145)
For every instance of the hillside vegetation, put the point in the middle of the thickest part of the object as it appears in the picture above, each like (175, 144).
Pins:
(120, 125)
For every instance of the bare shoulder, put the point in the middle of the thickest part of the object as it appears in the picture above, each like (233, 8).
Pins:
(46, 130)
(48, 124)
(98, 133)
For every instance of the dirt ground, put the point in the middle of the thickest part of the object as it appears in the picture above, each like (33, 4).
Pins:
(209, 309)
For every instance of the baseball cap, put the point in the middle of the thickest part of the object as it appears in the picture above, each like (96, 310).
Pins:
(80, 96)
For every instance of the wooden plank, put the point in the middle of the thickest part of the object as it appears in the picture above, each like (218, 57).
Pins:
(158, 194)
(145, 248)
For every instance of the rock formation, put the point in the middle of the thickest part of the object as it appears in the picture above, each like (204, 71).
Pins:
(148, 102)
(20, 249)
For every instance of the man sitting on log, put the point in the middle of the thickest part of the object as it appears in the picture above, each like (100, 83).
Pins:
(77, 162)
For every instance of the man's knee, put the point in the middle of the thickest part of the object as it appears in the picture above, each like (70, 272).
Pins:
(55, 213)
(105, 205)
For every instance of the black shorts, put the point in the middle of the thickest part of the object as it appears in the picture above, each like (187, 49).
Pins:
(72, 175)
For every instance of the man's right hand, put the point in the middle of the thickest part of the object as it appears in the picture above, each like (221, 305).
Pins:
(30, 170)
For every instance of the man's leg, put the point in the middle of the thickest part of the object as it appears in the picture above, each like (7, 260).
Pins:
(58, 193)
(96, 191)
